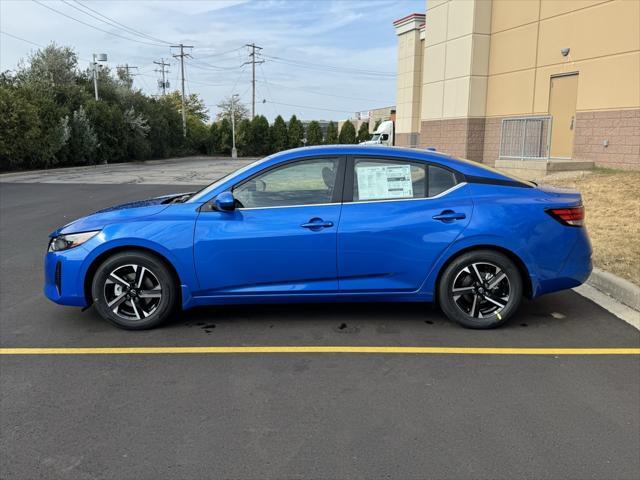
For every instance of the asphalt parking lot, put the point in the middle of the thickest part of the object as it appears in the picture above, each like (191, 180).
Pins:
(306, 414)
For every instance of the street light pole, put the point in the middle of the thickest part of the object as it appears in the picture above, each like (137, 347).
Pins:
(234, 152)
(100, 57)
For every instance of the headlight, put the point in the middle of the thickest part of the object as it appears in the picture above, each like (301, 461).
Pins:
(65, 242)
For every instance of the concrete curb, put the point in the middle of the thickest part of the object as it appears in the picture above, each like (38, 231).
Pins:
(619, 288)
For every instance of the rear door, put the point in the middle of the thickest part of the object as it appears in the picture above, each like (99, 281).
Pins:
(398, 216)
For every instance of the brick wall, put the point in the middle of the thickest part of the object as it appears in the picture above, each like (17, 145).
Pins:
(491, 147)
(407, 139)
(622, 130)
(460, 137)
(479, 138)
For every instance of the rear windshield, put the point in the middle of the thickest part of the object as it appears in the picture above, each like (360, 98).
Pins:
(494, 170)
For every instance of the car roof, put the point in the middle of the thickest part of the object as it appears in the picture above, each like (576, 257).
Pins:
(466, 167)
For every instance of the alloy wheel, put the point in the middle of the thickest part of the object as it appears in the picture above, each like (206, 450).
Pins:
(481, 289)
(132, 292)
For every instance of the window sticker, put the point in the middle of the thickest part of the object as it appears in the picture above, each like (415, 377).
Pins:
(388, 181)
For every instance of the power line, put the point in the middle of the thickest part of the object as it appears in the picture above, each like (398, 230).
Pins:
(116, 23)
(306, 106)
(35, 44)
(332, 68)
(221, 53)
(315, 92)
(207, 66)
(21, 39)
(94, 27)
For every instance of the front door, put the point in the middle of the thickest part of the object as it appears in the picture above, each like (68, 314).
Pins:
(563, 95)
(281, 238)
(404, 214)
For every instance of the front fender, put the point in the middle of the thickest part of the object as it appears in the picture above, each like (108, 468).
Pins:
(169, 239)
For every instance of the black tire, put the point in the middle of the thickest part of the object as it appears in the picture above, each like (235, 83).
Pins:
(139, 285)
(474, 285)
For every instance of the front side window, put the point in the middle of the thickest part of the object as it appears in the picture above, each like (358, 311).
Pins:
(306, 182)
(388, 180)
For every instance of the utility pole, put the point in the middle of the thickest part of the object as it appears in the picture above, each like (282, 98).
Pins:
(253, 63)
(164, 84)
(126, 68)
(181, 55)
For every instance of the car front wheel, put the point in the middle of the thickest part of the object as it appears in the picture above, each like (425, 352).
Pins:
(133, 290)
(480, 289)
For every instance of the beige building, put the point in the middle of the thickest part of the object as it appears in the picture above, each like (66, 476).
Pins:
(553, 83)
(371, 117)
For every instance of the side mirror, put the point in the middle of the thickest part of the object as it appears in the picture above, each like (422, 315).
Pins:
(384, 137)
(225, 202)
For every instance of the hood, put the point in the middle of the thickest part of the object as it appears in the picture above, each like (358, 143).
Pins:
(124, 212)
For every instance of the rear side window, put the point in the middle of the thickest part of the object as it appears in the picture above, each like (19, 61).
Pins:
(388, 180)
(440, 180)
(382, 179)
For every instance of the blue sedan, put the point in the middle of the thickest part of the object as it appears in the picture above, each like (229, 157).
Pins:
(328, 224)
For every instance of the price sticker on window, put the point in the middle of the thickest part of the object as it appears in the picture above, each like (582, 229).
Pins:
(385, 181)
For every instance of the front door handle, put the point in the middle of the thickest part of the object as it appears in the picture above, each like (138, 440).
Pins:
(449, 216)
(316, 224)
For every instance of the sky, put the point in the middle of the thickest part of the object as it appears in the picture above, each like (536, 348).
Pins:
(323, 59)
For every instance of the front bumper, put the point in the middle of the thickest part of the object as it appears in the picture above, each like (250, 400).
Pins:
(64, 277)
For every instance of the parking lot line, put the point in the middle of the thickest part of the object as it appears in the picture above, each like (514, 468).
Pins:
(317, 349)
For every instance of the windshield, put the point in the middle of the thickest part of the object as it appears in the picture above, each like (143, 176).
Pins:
(375, 137)
(206, 190)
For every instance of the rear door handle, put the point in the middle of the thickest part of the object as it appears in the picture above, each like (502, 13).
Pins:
(317, 224)
(449, 216)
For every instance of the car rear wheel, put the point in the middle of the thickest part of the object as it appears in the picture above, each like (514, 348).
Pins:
(133, 290)
(480, 289)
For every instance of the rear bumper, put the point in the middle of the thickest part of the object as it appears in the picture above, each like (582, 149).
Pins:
(576, 268)
(65, 287)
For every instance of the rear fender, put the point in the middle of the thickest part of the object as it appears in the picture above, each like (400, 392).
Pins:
(478, 242)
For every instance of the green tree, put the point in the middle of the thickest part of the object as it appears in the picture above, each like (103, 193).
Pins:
(229, 104)
(193, 105)
(314, 133)
(295, 132)
(363, 132)
(20, 127)
(278, 134)
(259, 141)
(52, 65)
(197, 136)
(377, 124)
(214, 139)
(83, 140)
(48, 104)
(332, 134)
(347, 133)
(224, 132)
(243, 137)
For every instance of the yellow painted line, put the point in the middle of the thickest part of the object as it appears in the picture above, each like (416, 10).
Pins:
(318, 349)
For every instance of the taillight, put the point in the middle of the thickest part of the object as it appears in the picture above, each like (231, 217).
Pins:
(572, 216)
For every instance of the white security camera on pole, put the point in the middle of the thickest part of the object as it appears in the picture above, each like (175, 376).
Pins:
(97, 57)
(234, 98)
